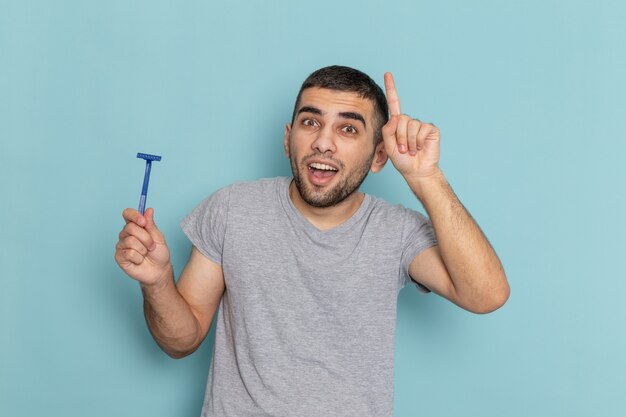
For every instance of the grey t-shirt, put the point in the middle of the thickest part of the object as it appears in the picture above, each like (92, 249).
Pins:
(307, 322)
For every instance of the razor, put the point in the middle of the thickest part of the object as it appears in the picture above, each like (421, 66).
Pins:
(146, 178)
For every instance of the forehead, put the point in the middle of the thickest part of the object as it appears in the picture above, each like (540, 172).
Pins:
(333, 101)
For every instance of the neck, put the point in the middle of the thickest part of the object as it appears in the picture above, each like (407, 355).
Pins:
(325, 218)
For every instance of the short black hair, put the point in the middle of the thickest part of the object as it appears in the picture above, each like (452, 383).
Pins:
(340, 78)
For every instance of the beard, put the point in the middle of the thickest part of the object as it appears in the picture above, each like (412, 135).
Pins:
(318, 197)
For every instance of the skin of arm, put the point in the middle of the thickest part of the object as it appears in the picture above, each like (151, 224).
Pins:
(463, 268)
(178, 315)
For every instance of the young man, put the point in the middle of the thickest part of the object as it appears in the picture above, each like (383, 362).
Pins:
(308, 270)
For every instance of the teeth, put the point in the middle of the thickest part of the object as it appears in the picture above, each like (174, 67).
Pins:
(325, 167)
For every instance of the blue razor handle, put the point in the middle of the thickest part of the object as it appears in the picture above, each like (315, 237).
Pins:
(146, 178)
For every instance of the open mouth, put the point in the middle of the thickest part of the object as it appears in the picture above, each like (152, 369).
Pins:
(321, 171)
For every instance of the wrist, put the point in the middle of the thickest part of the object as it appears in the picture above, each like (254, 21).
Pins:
(162, 282)
(422, 184)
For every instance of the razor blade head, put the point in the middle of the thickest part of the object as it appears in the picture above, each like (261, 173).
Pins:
(148, 157)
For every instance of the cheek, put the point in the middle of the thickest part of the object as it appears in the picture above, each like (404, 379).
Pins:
(300, 143)
(356, 155)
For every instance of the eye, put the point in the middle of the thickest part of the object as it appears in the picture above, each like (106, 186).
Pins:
(350, 129)
(309, 122)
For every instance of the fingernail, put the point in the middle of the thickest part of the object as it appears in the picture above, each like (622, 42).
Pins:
(402, 148)
(412, 153)
(153, 247)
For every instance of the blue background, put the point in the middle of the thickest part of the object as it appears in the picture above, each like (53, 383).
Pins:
(530, 99)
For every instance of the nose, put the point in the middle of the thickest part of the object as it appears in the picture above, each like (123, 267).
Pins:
(325, 141)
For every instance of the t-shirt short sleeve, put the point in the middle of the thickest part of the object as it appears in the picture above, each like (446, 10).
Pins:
(418, 236)
(205, 226)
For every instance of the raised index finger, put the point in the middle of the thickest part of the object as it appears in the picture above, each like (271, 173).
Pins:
(392, 96)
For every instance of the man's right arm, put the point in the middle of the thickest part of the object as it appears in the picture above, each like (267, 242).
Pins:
(178, 315)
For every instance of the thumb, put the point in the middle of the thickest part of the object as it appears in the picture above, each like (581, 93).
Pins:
(151, 226)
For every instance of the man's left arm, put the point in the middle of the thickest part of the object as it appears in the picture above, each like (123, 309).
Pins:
(463, 267)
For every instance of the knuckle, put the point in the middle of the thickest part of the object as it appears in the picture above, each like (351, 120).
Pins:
(127, 214)
(124, 253)
(130, 242)
(138, 257)
(128, 228)
(141, 249)
(122, 256)
(131, 229)
(132, 256)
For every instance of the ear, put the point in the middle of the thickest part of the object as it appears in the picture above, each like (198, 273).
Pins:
(380, 158)
(286, 140)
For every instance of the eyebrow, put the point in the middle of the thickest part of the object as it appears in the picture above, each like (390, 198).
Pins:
(353, 116)
(346, 115)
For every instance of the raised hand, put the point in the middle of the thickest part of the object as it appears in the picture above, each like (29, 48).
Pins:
(141, 250)
(412, 145)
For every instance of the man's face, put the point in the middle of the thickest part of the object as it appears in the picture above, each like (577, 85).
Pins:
(330, 145)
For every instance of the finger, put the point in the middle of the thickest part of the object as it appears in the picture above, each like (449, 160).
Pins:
(129, 255)
(389, 132)
(132, 215)
(392, 96)
(131, 242)
(425, 130)
(413, 129)
(401, 132)
(141, 234)
(152, 228)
